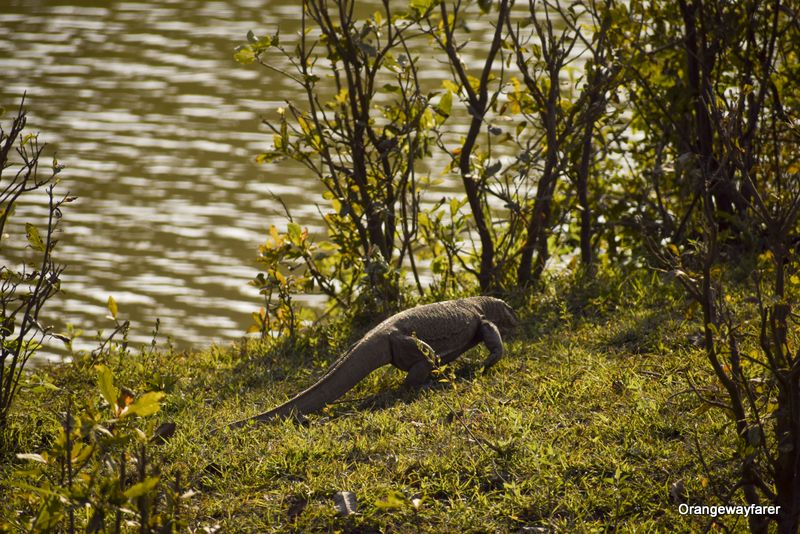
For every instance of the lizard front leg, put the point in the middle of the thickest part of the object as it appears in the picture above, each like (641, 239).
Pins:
(490, 336)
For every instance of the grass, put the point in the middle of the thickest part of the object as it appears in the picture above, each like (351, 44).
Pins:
(586, 425)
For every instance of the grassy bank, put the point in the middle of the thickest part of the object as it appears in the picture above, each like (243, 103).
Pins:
(588, 424)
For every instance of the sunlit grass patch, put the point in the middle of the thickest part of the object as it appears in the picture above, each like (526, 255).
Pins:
(586, 424)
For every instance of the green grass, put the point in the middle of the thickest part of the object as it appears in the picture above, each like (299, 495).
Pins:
(584, 426)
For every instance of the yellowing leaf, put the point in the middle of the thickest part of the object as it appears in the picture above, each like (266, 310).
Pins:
(105, 381)
(126, 397)
(445, 105)
(112, 307)
(304, 125)
(147, 404)
(33, 237)
(450, 86)
(294, 232)
(427, 120)
(244, 55)
(277, 239)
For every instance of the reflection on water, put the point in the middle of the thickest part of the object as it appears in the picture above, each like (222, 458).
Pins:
(158, 127)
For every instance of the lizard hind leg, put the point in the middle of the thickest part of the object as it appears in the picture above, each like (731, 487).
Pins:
(418, 374)
(412, 355)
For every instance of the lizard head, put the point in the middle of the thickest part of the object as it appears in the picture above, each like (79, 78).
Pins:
(500, 313)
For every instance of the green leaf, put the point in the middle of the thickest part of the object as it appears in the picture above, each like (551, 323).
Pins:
(105, 381)
(112, 307)
(244, 55)
(142, 488)
(438, 265)
(445, 105)
(147, 404)
(492, 169)
(454, 205)
(39, 490)
(485, 5)
(422, 6)
(294, 233)
(393, 500)
(41, 387)
(33, 237)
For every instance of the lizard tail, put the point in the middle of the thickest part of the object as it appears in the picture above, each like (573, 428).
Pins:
(342, 376)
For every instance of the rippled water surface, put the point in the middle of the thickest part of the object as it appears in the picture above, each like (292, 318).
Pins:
(158, 128)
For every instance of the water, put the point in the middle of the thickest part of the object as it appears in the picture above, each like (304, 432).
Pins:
(158, 128)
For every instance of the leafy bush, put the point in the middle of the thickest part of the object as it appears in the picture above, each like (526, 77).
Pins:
(25, 290)
(97, 474)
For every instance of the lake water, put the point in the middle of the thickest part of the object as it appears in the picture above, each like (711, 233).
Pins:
(158, 128)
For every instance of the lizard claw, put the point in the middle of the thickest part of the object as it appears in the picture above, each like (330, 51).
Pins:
(490, 361)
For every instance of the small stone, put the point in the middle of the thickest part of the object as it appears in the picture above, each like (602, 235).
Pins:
(163, 433)
(677, 492)
(345, 502)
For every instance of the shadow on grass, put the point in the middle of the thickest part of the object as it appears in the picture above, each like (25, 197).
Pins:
(382, 400)
(648, 332)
